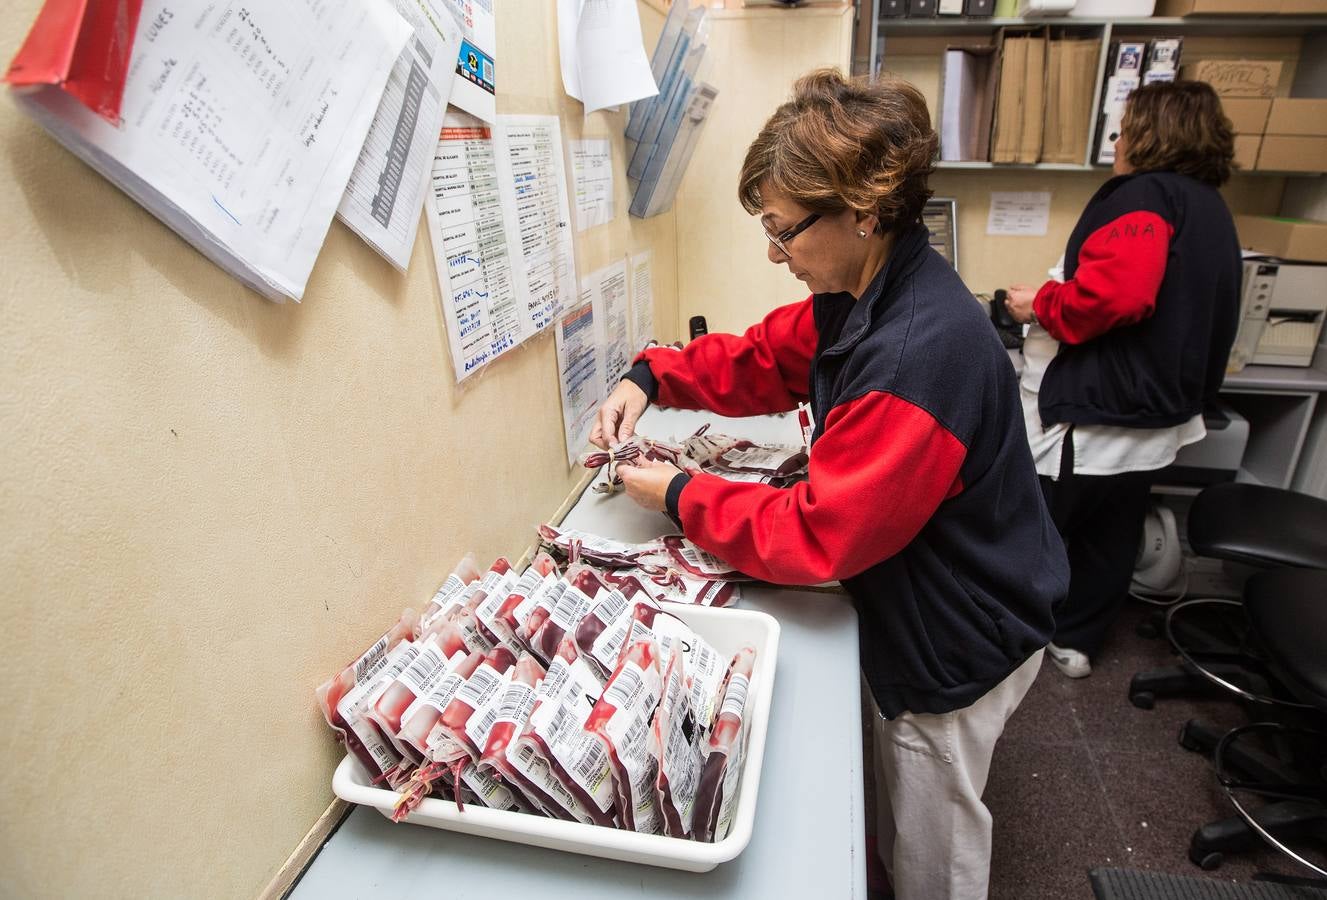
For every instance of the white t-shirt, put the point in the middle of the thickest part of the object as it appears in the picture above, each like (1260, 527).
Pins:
(1098, 449)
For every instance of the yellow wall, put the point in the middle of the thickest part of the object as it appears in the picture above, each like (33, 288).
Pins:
(208, 502)
(755, 56)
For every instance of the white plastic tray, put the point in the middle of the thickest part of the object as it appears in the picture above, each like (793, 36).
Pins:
(728, 630)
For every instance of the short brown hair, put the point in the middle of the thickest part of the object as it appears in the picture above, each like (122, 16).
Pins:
(1179, 127)
(839, 144)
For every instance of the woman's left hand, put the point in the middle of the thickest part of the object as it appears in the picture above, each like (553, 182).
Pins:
(1019, 302)
(647, 483)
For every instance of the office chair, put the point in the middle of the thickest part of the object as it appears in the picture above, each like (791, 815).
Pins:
(1249, 525)
(1284, 758)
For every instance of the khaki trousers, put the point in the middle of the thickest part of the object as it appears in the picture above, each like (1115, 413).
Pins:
(933, 831)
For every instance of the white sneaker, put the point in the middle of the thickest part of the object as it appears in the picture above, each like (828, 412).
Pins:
(1070, 662)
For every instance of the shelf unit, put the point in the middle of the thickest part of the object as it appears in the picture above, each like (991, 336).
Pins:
(885, 30)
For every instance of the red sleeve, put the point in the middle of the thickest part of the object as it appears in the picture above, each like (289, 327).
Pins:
(765, 370)
(877, 474)
(1120, 267)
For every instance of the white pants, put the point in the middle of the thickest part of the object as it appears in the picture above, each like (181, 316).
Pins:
(933, 831)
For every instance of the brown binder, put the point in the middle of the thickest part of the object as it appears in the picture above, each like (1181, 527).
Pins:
(1008, 128)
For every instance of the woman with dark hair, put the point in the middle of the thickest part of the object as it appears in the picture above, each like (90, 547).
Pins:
(1126, 349)
(921, 496)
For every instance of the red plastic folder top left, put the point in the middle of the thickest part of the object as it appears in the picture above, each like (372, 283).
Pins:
(83, 48)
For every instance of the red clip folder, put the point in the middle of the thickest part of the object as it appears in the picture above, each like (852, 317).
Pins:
(82, 47)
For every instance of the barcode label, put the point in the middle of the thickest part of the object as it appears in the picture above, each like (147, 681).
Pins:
(768, 458)
(451, 589)
(516, 703)
(563, 724)
(611, 607)
(625, 687)
(734, 699)
(571, 608)
(372, 661)
(743, 477)
(480, 687)
(597, 544)
(592, 761)
(443, 692)
(556, 678)
(427, 667)
(704, 562)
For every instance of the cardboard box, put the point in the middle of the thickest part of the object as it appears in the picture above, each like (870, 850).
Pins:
(1293, 153)
(1237, 77)
(1217, 7)
(1247, 115)
(1246, 151)
(1299, 239)
(1292, 115)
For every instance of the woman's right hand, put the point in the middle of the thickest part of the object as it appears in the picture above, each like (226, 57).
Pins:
(617, 418)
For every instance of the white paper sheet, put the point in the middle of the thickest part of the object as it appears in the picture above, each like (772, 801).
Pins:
(469, 235)
(1022, 213)
(533, 181)
(241, 124)
(500, 226)
(602, 56)
(607, 289)
(592, 171)
(475, 90)
(387, 188)
(579, 376)
(642, 302)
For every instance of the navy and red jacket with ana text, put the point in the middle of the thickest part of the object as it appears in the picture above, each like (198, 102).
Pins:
(1149, 306)
(922, 498)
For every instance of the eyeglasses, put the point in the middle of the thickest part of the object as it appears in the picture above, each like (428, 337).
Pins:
(780, 242)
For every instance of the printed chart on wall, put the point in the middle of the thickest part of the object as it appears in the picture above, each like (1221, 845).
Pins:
(642, 302)
(475, 91)
(501, 229)
(579, 367)
(387, 188)
(607, 289)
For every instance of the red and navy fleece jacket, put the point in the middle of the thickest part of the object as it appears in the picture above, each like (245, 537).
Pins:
(1149, 306)
(922, 498)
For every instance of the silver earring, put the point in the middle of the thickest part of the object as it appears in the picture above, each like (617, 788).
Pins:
(861, 234)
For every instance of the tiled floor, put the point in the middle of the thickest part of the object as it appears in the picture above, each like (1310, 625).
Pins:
(1083, 779)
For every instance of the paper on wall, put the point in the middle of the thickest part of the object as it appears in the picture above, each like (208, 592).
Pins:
(468, 229)
(533, 182)
(642, 302)
(1022, 213)
(387, 188)
(607, 289)
(501, 230)
(475, 90)
(592, 173)
(579, 376)
(602, 55)
(240, 125)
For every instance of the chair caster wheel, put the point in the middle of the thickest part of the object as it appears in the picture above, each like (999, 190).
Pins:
(1208, 862)
(1147, 630)
(1186, 741)
(1143, 699)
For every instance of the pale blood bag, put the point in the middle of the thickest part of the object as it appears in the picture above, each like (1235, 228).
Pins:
(583, 546)
(380, 757)
(512, 612)
(483, 605)
(365, 667)
(509, 719)
(466, 571)
(676, 739)
(716, 798)
(704, 667)
(428, 668)
(420, 717)
(462, 602)
(621, 718)
(556, 734)
(451, 742)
